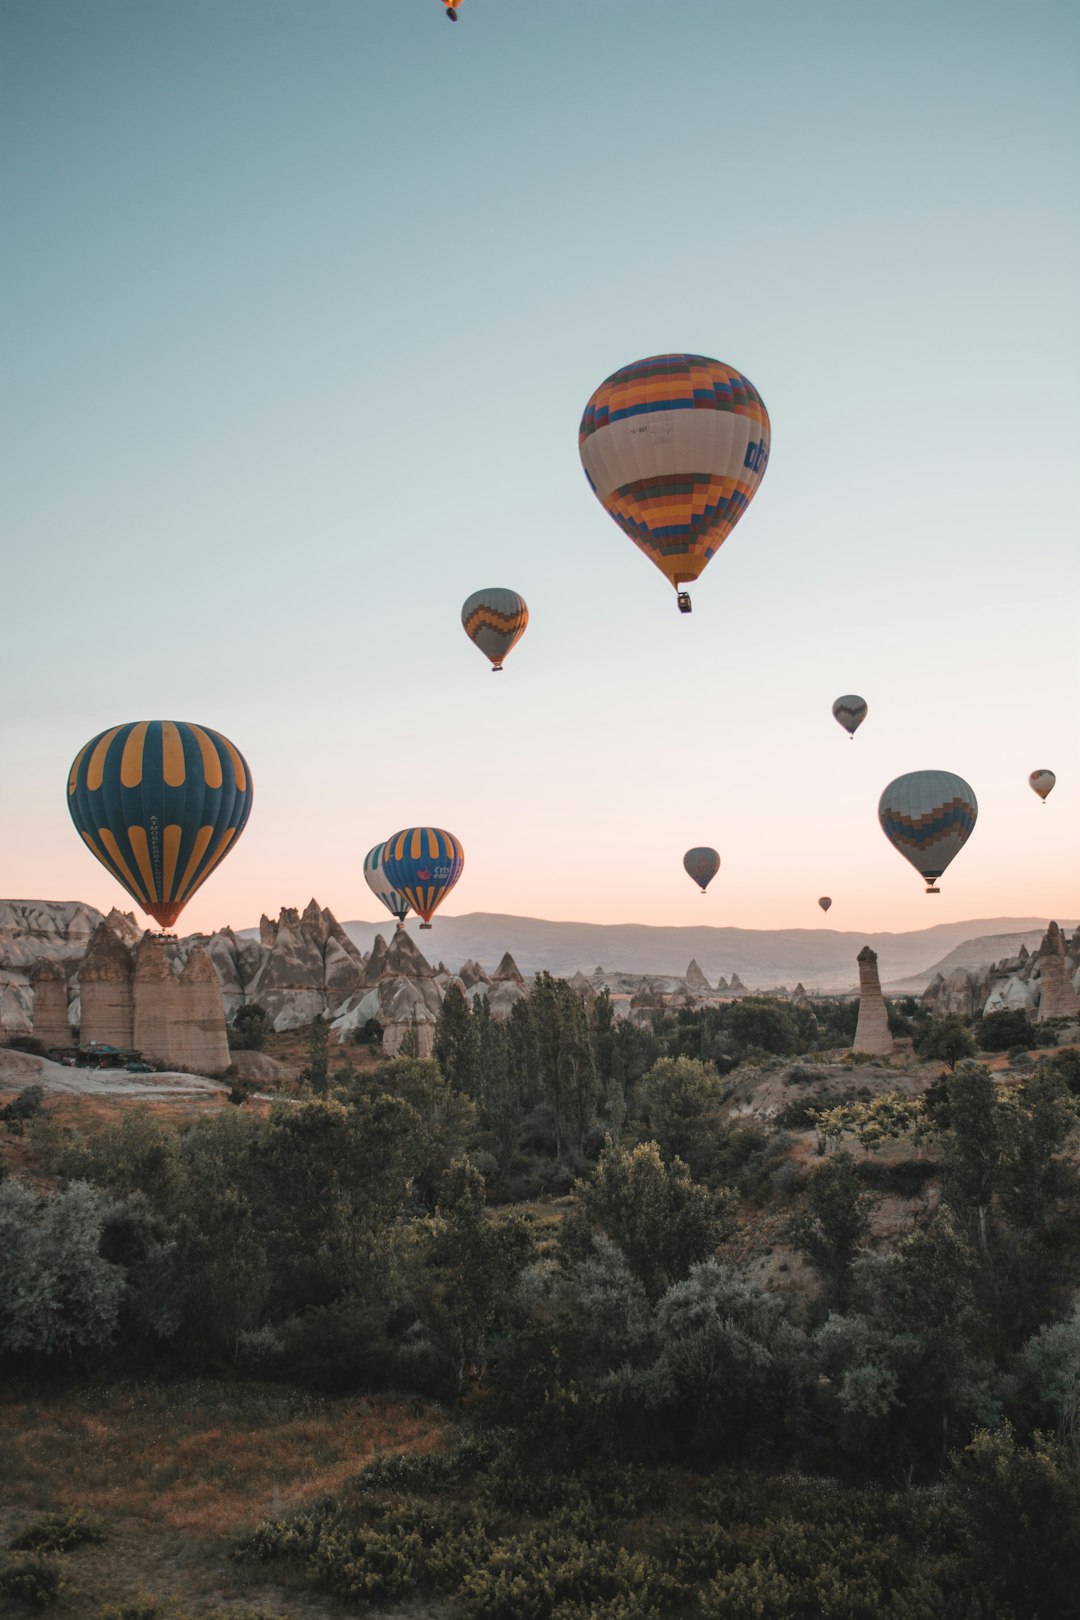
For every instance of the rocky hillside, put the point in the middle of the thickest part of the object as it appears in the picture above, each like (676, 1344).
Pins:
(1044, 983)
(822, 958)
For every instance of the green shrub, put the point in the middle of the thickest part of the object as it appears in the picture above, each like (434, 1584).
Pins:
(58, 1532)
(33, 1578)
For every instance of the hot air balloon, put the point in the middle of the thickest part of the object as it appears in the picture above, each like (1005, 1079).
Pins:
(423, 864)
(825, 902)
(702, 865)
(394, 901)
(495, 620)
(159, 803)
(674, 448)
(929, 817)
(1041, 782)
(451, 10)
(850, 711)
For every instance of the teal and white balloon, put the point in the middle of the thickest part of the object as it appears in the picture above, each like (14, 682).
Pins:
(381, 887)
(928, 816)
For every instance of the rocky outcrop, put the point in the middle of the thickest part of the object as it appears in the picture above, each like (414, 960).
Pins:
(106, 1008)
(1057, 995)
(310, 965)
(872, 1031)
(736, 987)
(1043, 984)
(35, 931)
(696, 980)
(51, 1024)
(507, 972)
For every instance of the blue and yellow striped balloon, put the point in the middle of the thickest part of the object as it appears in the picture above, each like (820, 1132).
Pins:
(159, 803)
(423, 864)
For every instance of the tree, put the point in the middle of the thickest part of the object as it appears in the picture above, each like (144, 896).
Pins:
(945, 1040)
(500, 1106)
(249, 1030)
(680, 1108)
(60, 1297)
(603, 1036)
(764, 1024)
(565, 1063)
(1002, 1031)
(1022, 1506)
(446, 1119)
(832, 1225)
(317, 1073)
(731, 1363)
(467, 1267)
(455, 1049)
(663, 1222)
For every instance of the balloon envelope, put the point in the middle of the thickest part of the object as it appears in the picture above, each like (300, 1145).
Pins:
(850, 711)
(825, 902)
(1041, 783)
(929, 817)
(380, 886)
(423, 864)
(674, 448)
(495, 619)
(702, 864)
(160, 803)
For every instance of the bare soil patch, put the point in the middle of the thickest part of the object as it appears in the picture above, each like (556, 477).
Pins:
(175, 1473)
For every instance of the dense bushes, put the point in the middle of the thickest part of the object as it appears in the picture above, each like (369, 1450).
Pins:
(623, 1543)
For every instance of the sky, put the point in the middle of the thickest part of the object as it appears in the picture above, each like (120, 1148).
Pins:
(303, 300)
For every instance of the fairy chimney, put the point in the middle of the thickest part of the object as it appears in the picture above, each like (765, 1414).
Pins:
(49, 984)
(1057, 998)
(872, 1031)
(105, 999)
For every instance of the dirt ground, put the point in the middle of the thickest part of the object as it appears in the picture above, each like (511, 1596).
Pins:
(174, 1474)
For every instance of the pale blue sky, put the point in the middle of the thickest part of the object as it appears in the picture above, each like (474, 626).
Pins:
(302, 305)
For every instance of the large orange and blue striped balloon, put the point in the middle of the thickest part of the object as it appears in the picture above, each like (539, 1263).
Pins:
(423, 864)
(674, 448)
(159, 803)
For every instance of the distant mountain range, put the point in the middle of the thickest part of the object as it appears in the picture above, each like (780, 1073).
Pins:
(819, 958)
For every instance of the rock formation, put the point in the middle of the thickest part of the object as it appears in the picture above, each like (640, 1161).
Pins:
(1057, 996)
(872, 1031)
(132, 997)
(1044, 983)
(106, 1014)
(696, 980)
(50, 1009)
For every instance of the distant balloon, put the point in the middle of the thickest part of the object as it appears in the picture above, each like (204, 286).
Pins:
(825, 902)
(451, 9)
(394, 901)
(1041, 782)
(850, 711)
(929, 817)
(674, 448)
(423, 864)
(702, 864)
(160, 803)
(495, 620)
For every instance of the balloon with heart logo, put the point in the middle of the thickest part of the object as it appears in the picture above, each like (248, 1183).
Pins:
(423, 864)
